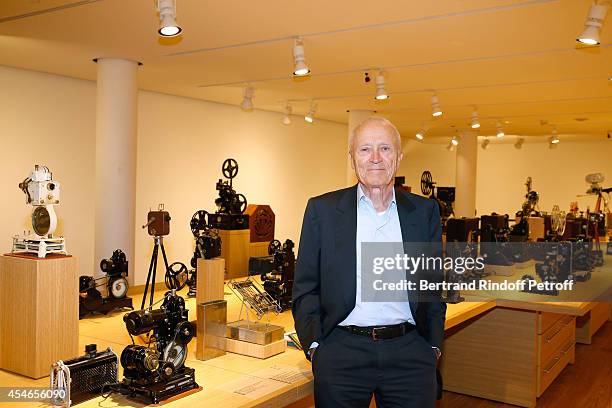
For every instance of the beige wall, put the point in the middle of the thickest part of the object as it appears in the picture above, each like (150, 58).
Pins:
(557, 174)
(182, 143)
(50, 120)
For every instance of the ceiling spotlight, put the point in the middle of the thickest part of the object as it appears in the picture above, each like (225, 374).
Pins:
(500, 130)
(485, 143)
(247, 101)
(519, 142)
(454, 141)
(381, 92)
(309, 117)
(299, 60)
(435, 106)
(475, 124)
(450, 147)
(168, 27)
(420, 134)
(287, 117)
(554, 139)
(595, 19)
(367, 78)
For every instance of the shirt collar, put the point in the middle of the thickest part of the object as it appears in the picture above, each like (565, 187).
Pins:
(361, 195)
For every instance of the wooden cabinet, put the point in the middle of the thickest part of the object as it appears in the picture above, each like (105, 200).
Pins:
(555, 347)
(508, 355)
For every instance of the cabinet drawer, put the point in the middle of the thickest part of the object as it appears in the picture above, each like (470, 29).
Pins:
(555, 337)
(546, 319)
(551, 369)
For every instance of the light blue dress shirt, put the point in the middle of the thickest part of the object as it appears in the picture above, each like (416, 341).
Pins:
(373, 226)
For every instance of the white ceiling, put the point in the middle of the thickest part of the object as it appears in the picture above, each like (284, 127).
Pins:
(516, 60)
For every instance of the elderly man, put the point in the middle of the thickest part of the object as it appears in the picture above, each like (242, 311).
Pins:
(360, 348)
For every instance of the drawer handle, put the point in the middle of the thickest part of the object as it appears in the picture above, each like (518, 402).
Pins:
(568, 348)
(549, 339)
(549, 369)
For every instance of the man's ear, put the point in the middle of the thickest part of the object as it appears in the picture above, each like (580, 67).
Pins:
(351, 160)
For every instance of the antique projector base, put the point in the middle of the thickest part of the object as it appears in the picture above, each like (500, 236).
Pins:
(180, 385)
(104, 305)
(39, 245)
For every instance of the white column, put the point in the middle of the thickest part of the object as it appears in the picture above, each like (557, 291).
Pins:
(356, 116)
(465, 183)
(116, 115)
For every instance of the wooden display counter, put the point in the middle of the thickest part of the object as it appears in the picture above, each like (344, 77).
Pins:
(39, 321)
(228, 381)
(515, 351)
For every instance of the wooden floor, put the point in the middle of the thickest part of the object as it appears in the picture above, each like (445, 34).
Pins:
(586, 384)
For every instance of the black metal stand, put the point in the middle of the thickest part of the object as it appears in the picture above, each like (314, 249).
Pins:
(159, 242)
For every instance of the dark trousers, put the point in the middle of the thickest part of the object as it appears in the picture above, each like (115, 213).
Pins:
(349, 368)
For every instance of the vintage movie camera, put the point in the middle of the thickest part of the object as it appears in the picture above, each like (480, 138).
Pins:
(90, 298)
(83, 378)
(158, 222)
(153, 374)
(230, 205)
(276, 271)
(207, 245)
(445, 196)
(43, 193)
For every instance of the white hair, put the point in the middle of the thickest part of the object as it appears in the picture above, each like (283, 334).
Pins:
(375, 120)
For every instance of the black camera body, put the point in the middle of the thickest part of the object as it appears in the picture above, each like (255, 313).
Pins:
(155, 374)
(276, 271)
(90, 298)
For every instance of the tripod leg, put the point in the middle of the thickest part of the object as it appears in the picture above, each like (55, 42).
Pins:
(146, 290)
(174, 284)
(155, 254)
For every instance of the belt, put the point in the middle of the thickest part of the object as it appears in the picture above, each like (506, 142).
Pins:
(380, 332)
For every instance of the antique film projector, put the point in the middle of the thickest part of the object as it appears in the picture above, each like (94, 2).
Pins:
(207, 245)
(90, 298)
(44, 194)
(157, 371)
(230, 205)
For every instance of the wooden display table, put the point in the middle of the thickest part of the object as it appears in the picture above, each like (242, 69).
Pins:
(39, 323)
(235, 250)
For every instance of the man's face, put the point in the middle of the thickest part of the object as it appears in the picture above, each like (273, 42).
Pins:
(375, 155)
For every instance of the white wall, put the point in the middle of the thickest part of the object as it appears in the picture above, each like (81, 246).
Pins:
(182, 143)
(557, 174)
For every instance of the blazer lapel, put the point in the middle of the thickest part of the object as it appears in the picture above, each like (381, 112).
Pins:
(345, 236)
(408, 221)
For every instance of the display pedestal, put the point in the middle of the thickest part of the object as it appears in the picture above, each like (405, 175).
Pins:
(257, 249)
(39, 321)
(235, 251)
(255, 339)
(212, 326)
(210, 274)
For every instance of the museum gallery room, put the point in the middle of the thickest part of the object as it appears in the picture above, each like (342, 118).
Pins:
(168, 239)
